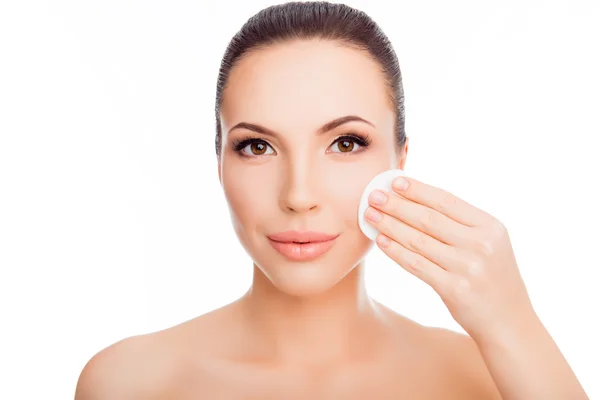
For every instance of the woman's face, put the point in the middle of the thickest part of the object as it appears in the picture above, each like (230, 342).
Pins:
(294, 176)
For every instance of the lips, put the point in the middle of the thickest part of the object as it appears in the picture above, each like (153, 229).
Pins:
(304, 237)
(302, 246)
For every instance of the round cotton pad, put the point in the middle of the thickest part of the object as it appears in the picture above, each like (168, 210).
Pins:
(383, 182)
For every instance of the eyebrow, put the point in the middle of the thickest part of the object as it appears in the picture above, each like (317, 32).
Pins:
(322, 130)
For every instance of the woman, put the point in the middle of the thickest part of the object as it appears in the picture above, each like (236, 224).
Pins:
(309, 108)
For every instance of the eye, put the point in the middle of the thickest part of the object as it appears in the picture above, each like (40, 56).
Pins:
(350, 143)
(253, 147)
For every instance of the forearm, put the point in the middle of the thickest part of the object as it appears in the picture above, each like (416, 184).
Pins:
(528, 365)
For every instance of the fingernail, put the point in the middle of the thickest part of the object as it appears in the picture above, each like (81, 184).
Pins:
(378, 197)
(400, 184)
(373, 215)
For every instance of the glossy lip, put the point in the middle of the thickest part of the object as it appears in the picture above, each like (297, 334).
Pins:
(305, 236)
(314, 244)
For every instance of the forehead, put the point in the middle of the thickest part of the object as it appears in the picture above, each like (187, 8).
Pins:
(303, 84)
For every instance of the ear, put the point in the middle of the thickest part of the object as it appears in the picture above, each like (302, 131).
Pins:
(219, 170)
(402, 155)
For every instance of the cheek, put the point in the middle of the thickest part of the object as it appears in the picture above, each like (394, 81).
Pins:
(247, 191)
(346, 186)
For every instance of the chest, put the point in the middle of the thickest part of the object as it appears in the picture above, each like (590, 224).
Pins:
(394, 380)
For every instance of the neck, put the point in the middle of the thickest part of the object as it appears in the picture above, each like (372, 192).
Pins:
(340, 324)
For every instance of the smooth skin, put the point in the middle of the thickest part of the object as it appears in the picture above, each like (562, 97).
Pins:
(309, 330)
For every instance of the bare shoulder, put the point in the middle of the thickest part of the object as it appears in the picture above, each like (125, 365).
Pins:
(131, 368)
(450, 358)
(469, 369)
(153, 365)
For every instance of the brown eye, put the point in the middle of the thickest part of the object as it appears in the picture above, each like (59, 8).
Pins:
(350, 143)
(253, 147)
(258, 148)
(345, 146)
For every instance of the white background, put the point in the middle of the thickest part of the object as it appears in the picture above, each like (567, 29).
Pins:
(112, 219)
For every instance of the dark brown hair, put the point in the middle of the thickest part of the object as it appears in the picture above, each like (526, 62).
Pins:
(308, 20)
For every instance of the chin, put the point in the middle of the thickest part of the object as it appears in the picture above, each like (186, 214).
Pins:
(311, 277)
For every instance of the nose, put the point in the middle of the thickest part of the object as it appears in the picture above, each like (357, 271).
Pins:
(300, 190)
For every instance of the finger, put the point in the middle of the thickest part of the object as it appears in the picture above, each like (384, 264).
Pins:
(442, 254)
(423, 218)
(443, 201)
(414, 263)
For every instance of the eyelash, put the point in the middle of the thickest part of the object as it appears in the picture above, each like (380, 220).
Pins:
(363, 140)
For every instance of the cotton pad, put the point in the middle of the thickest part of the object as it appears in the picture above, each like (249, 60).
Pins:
(383, 182)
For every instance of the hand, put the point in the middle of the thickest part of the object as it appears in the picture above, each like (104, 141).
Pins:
(462, 252)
